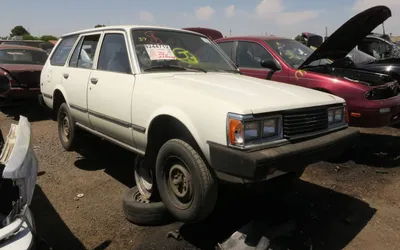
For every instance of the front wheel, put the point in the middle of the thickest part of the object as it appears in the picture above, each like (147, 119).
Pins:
(185, 183)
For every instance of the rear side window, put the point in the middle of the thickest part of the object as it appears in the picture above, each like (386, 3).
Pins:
(227, 47)
(62, 51)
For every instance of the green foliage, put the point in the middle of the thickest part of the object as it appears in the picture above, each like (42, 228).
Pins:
(99, 25)
(300, 39)
(29, 37)
(47, 38)
(19, 30)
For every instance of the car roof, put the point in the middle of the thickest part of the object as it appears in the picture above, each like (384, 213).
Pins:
(14, 46)
(264, 38)
(126, 28)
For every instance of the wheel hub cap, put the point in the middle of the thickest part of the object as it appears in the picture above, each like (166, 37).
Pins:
(179, 181)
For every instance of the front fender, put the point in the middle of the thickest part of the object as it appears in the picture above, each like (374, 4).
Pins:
(182, 117)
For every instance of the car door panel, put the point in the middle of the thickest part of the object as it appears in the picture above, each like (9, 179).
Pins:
(110, 90)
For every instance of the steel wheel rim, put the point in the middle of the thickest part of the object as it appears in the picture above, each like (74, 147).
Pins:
(178, 182)
(65, 128)
(143, 179)
(140, 199)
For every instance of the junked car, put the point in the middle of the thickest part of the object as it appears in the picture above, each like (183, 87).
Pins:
(373, 99)
(20, 68)
(389, 64)
(18, 169)
(173, 97)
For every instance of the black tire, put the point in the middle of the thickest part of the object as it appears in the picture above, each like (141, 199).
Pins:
(139, 212)
(201, 192)
(67, 141)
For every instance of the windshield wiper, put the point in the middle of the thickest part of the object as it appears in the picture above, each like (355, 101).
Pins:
(174, 67)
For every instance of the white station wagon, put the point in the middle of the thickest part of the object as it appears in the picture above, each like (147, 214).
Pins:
(175, 98)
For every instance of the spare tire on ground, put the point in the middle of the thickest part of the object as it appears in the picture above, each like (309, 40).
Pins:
(144, 212)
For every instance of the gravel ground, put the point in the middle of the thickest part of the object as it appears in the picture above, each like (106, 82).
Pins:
(351, 205)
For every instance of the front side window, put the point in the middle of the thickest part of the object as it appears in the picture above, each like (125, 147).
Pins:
(22, 56)
(250, 54)
(114, 55)
(62, 51)
(159, 49)
(293, 52)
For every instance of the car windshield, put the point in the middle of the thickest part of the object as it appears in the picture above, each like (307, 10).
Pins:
(159, 49)
(22, 56)
(293, 52)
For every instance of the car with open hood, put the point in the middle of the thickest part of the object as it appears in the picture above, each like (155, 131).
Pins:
(20, 68)
(376, 53)
(18, 169)
(175, 98)
(373, 98)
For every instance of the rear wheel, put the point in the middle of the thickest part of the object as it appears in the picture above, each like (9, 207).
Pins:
(66, 128)
(185, 183)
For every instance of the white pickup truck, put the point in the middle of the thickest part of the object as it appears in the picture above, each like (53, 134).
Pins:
(175, 98)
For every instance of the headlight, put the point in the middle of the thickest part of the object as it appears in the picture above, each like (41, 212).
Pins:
(336, 115)
(245, 131)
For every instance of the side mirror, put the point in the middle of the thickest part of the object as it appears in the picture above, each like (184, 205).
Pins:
(270, 64)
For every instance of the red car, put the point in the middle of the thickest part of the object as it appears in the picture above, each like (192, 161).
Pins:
(20, 68)
(373, 99)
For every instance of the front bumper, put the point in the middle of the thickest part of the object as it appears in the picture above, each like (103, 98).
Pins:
(258, 165)
(372, 118)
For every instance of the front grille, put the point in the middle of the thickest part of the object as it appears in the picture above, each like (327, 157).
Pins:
(304, 121)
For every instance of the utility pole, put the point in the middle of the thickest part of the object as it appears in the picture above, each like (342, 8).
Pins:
(230, 32)
(326, 31)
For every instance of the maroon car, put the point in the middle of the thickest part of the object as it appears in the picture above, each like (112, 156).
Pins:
(373, 99)
(20, 68)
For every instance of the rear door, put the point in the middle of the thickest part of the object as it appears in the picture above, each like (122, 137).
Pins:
(76, 75)
(111, 88)
(248, 57)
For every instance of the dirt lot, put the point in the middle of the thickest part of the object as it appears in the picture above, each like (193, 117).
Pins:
(352, 205)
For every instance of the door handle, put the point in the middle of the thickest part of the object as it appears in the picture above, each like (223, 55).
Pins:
(65, 75)
(94, 80)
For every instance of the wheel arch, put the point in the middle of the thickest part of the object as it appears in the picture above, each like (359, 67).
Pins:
(165, 126)
(59, 97)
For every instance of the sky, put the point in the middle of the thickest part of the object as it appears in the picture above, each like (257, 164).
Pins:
(286, 18)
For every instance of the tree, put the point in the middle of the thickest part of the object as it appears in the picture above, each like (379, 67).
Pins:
(300, 39)
(19, 31)
(47, 38)
(29, 37)
(99, 25)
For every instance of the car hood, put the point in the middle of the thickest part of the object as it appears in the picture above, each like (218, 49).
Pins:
(20, 160)
(244, 94)
(351, 33)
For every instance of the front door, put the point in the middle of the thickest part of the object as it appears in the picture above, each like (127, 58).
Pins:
(76, 76)
(248, 58)
(111, 88)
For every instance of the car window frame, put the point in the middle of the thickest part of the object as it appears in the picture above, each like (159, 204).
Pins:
(55, 48)
(128, 50)
(262, 45)
(80, 36)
